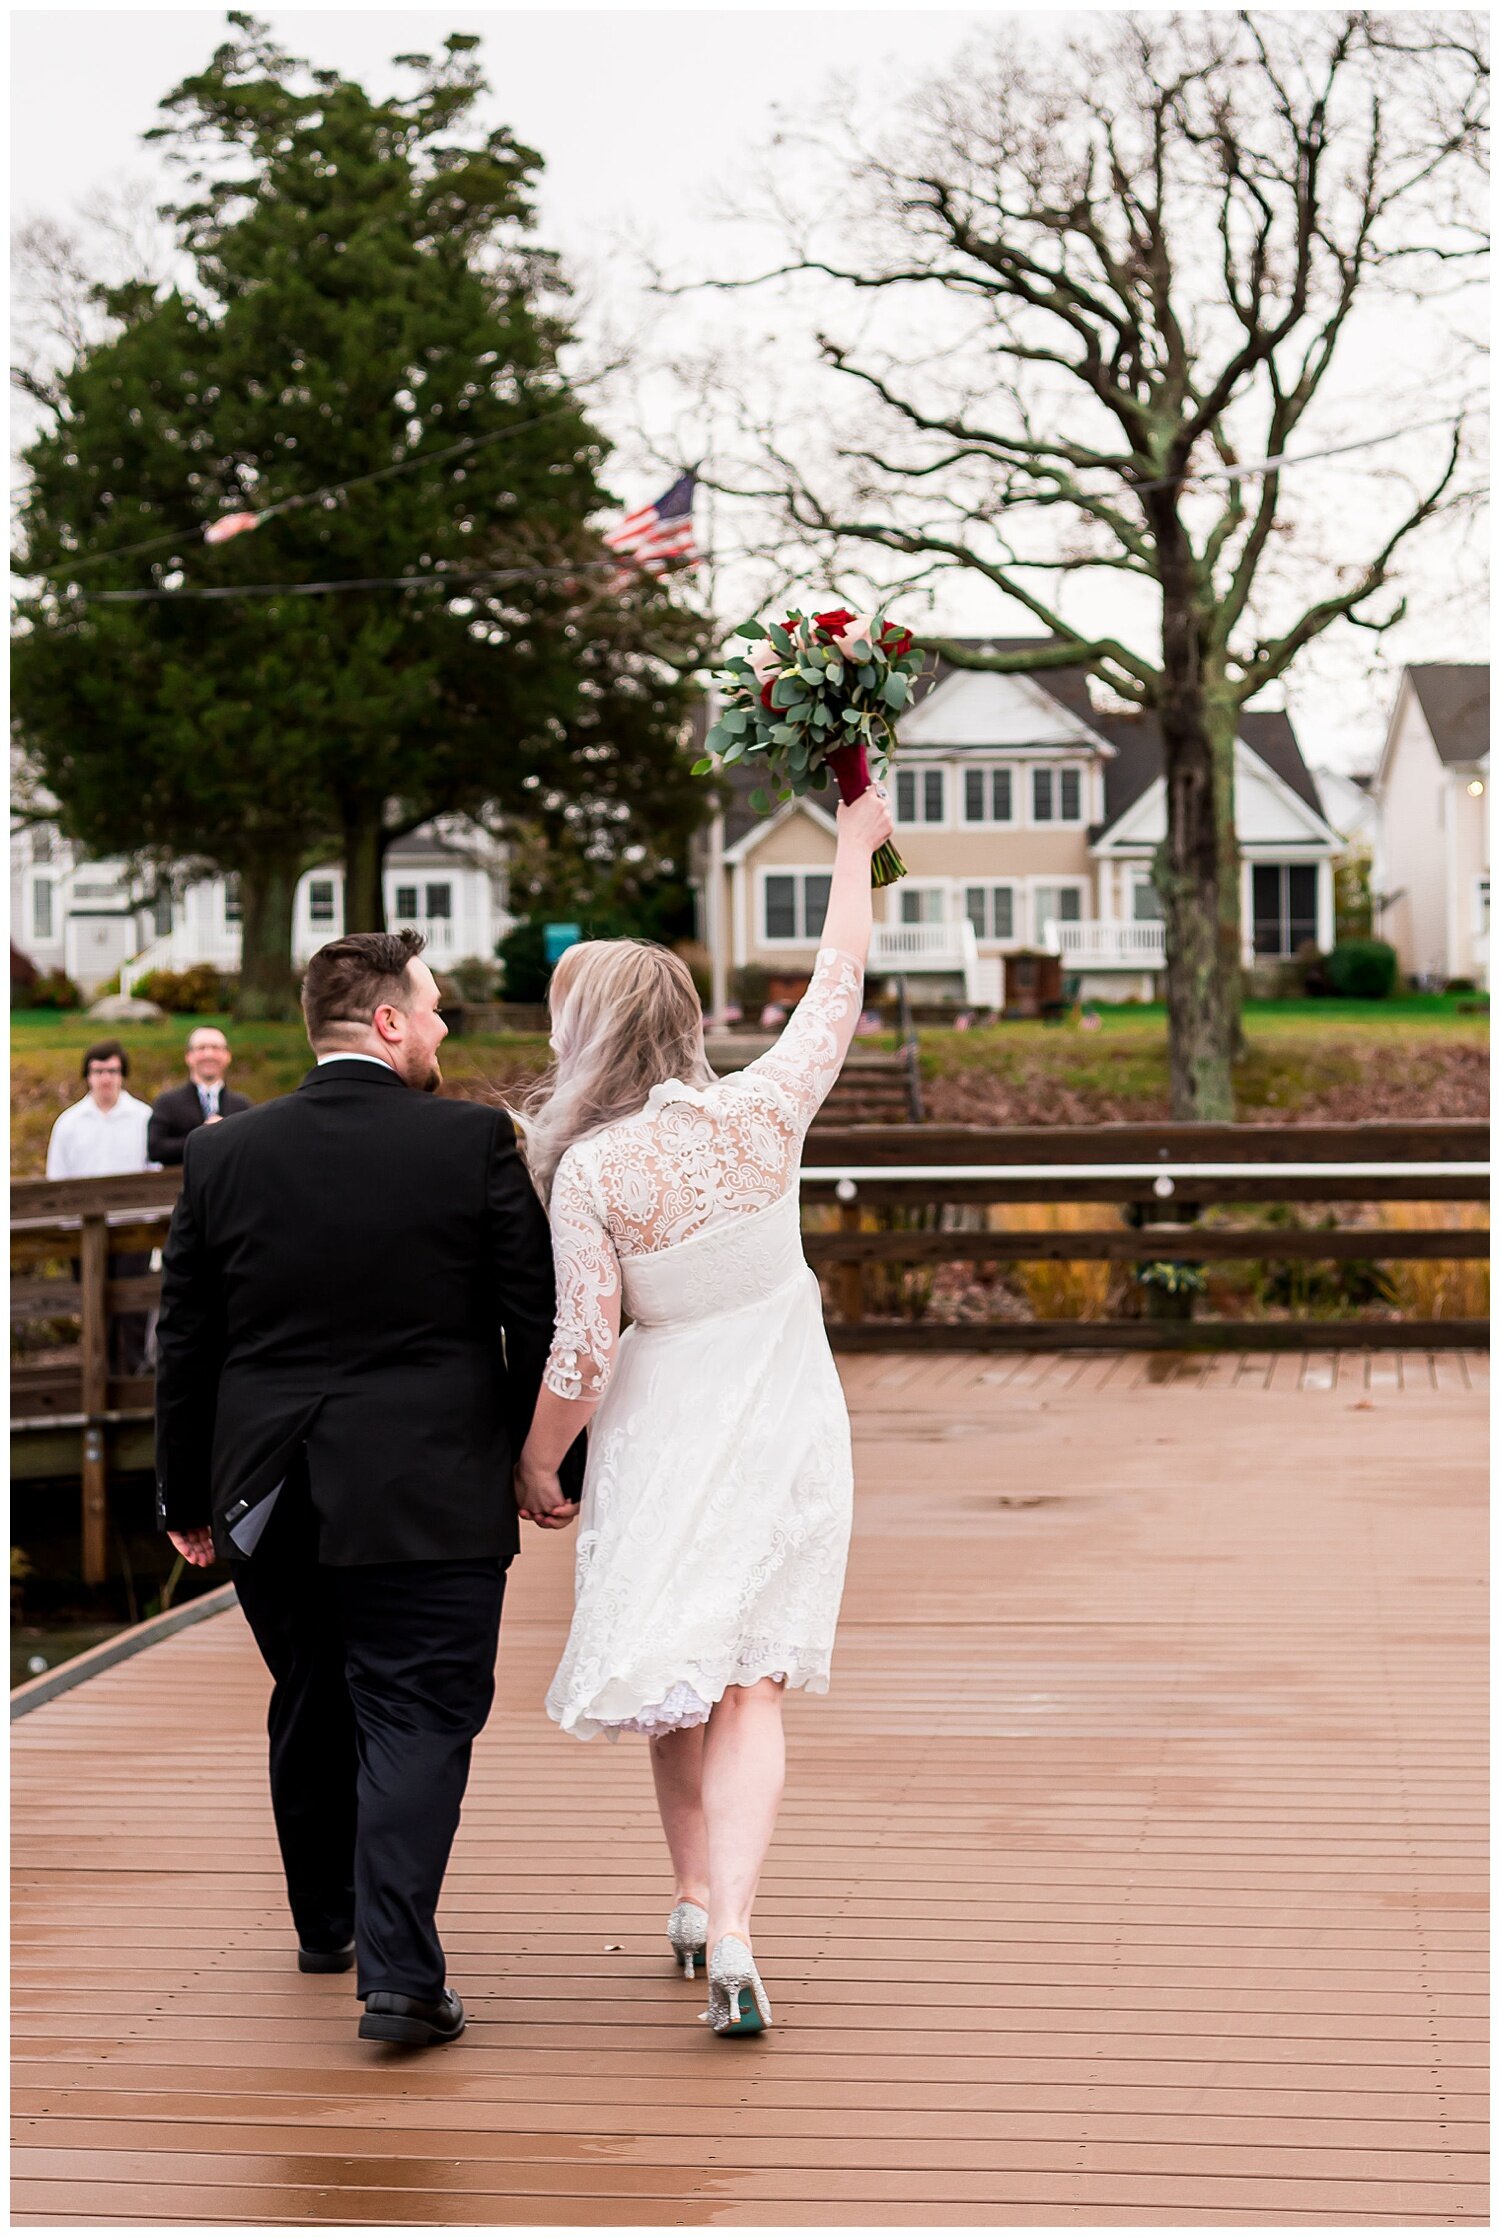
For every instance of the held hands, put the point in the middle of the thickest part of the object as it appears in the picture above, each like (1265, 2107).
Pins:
(867, 821)
(195, 1546)
(539, 1496)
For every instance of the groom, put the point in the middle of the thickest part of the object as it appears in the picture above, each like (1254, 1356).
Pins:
(336, 1416)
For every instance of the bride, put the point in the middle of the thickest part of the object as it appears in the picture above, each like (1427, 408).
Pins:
(716, 1508)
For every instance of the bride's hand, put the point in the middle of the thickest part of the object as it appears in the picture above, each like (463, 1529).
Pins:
(540, 1497)
(867, 820)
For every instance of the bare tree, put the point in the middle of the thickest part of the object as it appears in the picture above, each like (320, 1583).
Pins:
(1086, 298)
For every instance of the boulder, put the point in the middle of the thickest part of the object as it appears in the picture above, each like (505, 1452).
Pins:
(125, 1009)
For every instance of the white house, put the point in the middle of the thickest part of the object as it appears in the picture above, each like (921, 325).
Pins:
(1432, 868)
(91, 920)
(1027, 818)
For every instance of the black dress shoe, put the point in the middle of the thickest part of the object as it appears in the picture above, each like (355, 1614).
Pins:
(326, 1961)
(390, 2018)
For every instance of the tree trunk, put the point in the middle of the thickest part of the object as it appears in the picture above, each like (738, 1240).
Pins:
(1201, 989)
(364, 874)
(1222, 715)
(268, 985)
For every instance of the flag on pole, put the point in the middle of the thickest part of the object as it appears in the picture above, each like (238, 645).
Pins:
(656, 537)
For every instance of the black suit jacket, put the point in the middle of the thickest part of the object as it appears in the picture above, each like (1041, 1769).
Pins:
(343, 1268)
(177, 1113)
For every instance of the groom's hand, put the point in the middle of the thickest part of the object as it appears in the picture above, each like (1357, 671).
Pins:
(195, 1546)
(540, 1497)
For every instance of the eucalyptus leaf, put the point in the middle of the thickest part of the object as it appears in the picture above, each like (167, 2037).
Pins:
(701, 768)
(835, 671)
(750, 629)
(867, 676)
(760, 801)
(851, 716)
(781, 640)
(895, 691)
(860, 651)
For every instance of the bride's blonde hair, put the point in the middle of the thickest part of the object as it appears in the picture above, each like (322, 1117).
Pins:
(625, 1017)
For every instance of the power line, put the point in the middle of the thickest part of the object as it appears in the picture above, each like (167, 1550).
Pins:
(450, 578)
(334, 489)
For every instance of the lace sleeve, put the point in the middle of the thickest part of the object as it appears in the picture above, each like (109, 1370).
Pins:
(815, 1039)
(588, 1290)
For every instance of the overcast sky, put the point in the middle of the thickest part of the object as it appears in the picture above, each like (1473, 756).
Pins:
(643, 119)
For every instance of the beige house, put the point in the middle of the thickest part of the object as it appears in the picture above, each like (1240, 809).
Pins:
(1432, 865)
(1028, 821)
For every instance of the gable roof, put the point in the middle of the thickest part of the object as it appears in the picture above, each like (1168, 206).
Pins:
(1068, 686)
(1454, 696)
(1140, 758)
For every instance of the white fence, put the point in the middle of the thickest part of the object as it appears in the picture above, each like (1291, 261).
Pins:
(1100, 945)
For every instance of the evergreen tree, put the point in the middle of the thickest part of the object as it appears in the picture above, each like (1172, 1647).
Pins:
(362, 291)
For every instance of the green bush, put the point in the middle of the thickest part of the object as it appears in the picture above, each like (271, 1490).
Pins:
(54, 990)
(523, 953)
(1362, 970)
(750, 986)
(200, 991)
(474, 979)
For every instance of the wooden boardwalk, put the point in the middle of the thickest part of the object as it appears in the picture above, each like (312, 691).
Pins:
(1131, 1873)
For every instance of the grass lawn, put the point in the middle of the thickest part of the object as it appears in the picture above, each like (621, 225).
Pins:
(1416, 1056)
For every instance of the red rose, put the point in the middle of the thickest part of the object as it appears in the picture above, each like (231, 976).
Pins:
(831, 625)
(765, 695)
(902, 641)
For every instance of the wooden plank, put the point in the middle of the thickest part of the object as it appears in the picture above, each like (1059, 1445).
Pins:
(1256, 1336)
(119, 1192)
(1204, 1245)
(1171, 1142)
(1060, 1187)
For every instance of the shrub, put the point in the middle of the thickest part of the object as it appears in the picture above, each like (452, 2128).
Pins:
(200, 991)
(474, 979)
(1363, 970)
(750, 986)
(54, 990)
(523, 953)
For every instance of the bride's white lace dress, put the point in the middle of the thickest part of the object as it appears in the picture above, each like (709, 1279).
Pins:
(717, 1502)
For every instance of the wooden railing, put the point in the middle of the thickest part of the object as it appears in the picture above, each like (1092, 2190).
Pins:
(83, 1224)
(1158, 1178)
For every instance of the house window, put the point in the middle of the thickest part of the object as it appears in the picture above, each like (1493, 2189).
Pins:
(919, 796)
(1482, 907)
(41, 843)
(1283, 906)
(406, 900)
(991, 909)
(1056, 904)
(41, 909)
(232, 910)
(987, 796)
(795, 904)
(161, 913)
(921, 904)
(1057, 796)
(320, 900)
(440, 901)
(1145, 903)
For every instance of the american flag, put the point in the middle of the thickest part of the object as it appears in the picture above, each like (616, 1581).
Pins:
(656, 537)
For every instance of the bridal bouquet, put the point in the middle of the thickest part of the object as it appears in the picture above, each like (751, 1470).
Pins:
(815, 699)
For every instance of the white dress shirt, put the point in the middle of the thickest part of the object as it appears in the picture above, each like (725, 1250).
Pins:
(355, 1056)
(208, 1099)
(87, 1142)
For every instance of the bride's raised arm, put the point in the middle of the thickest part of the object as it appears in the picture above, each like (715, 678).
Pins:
(812, 1046)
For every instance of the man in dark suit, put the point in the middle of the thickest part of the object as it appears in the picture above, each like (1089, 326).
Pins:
(203, 1100)
(336, 1416)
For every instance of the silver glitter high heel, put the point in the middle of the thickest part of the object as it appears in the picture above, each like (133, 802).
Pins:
(687, 1931)
(732, 1974)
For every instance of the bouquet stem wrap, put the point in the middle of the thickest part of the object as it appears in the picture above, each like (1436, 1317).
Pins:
(851, 773)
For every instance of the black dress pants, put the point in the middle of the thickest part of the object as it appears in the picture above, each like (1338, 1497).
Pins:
(383, 1677)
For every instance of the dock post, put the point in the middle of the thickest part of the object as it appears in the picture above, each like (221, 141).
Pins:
(93, 1282)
